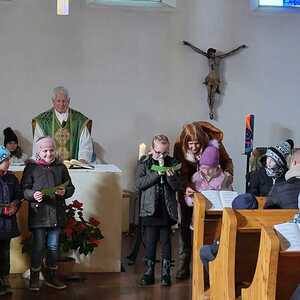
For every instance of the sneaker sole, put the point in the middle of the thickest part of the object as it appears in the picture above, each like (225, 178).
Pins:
(54, 286)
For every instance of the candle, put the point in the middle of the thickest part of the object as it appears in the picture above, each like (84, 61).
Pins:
(142, 150)
(249, 133)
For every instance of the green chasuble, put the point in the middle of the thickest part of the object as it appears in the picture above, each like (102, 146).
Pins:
(66, 137)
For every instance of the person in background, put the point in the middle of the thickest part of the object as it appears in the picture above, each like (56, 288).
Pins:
(260, 183)
(18, 157)
(10, 201)
(190, 144)
(69, 128)
(285, 193)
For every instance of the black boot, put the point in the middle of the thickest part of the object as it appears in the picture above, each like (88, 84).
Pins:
(34, 282)
(184, 239)
(148, 277)
(7, 285)
(165, 272)
(2, 287)
(183, 271)
(52, 280)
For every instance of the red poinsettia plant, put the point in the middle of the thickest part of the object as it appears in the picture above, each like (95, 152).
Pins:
(80, 234)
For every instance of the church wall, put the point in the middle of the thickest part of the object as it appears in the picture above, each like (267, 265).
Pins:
(128, 71)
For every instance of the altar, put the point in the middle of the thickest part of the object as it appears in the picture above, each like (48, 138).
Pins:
(100, 192)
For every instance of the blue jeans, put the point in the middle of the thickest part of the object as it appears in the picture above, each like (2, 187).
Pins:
(45, 239)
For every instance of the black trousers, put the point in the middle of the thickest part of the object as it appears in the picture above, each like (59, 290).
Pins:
(4, 257)
(153, 234)
(185, 234)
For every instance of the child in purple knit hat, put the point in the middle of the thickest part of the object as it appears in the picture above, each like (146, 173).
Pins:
(209, 176)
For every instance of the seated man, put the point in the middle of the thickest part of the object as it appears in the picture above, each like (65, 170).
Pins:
(69, 128)
(285, 194)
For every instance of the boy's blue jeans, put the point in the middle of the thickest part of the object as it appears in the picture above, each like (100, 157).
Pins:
(45, 239)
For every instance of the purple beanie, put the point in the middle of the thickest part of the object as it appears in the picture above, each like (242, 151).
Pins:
(210, 156)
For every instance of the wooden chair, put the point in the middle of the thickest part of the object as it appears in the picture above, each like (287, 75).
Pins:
(237, 258)
(207, 226)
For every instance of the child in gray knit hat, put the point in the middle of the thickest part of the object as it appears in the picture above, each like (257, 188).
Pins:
(276, 164)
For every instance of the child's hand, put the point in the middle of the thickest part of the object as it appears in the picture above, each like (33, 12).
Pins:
(12, 209)
(60, 191)
(170, 172)
(229, 177)
(189, 191)
(38, 196)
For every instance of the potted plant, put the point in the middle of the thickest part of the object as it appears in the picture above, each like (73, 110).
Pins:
(80, 234)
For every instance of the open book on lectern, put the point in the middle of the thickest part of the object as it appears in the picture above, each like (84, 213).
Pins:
(217, 200)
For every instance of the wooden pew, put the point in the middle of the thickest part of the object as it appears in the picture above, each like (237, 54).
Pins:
(277, 272)
(263, 286)
(213, 226)
(207, 226)
(223, 270)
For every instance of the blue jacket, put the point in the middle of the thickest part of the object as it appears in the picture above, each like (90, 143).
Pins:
(8, 224)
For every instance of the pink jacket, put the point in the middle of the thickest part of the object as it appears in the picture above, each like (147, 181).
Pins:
(200, 184)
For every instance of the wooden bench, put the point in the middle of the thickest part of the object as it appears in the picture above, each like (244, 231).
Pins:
(277, 273)
(227, 268)
(207, 227)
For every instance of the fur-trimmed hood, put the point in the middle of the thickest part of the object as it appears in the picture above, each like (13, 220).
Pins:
(293, 172)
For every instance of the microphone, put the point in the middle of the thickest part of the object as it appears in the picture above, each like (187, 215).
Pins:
(161, 163)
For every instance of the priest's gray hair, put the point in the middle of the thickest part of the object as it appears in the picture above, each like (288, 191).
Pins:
(60, 90)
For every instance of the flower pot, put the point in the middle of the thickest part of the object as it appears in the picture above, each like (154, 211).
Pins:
(65, 266)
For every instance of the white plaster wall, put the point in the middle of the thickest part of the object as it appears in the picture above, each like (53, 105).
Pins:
(127, 70)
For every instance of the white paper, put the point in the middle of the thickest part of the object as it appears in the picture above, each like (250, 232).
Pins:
(219, 199)
(227, 197)
(289, 235)
(214, 199)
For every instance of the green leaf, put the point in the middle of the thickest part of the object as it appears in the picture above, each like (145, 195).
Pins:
(157, 168)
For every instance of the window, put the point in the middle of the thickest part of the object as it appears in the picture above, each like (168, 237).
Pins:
(137, 3)
(279, 3)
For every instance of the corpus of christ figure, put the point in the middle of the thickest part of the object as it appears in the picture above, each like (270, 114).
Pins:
(212, 80)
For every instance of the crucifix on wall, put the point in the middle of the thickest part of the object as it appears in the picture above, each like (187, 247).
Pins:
(212, 80)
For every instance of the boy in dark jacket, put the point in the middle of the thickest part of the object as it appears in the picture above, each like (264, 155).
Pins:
(158, 209)
(46, 209)
(10, 200)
